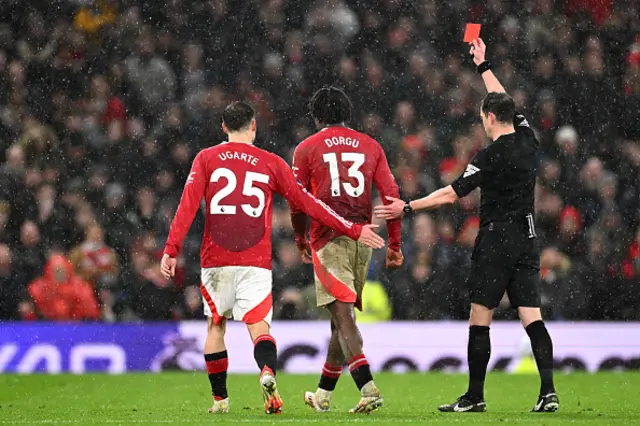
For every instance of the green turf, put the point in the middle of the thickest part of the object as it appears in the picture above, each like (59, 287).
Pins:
(182, 398)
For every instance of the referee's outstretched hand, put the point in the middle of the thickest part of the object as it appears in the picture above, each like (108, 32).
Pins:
(390, 211)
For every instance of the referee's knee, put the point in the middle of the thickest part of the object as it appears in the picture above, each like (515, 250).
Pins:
(529, 315)
(480, 315)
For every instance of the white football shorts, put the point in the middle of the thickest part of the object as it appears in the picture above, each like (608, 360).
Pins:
(242, 293)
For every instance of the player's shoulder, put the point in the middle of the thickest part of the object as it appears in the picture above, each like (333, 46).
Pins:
(268, 157)
(520, 121)
(523, 128)
(211, 151)
(312, 140)
(489, 153)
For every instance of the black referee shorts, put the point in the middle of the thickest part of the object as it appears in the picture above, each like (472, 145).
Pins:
(505, 258)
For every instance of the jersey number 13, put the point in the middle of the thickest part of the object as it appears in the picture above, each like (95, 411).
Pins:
(357, 160)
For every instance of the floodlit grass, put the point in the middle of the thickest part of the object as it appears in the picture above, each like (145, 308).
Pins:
(183, 398)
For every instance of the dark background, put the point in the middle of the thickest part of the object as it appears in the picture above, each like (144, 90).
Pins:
(104, 104)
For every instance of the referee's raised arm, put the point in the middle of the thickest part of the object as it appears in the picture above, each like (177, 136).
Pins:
(478, 50)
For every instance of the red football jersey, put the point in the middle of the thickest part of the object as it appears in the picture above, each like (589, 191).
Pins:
(339, 165)
(237, 181)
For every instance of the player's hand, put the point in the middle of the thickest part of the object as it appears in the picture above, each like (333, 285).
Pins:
(305, 254)
(168, 266)
(394, 259)
(369, 238)
(390, 211)
(478, 50)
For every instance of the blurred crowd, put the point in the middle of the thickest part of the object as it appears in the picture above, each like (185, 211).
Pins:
(103, 105)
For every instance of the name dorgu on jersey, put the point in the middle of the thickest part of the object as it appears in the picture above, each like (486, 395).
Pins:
(341, 140)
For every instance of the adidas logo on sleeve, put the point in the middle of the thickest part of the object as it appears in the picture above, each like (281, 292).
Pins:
(470, 170)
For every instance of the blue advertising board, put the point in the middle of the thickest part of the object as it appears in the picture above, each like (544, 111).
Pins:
(391, 346)
(81, 347)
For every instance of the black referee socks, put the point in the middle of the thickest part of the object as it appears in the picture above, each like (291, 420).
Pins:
(543, 352)
(478, 354)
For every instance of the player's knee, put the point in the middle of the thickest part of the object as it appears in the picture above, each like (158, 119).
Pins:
(480, 315)
(529, 315)
(216, 328)
(341, 314)
(258, 329)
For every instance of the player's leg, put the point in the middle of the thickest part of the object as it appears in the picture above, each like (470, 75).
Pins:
(217, 291)
(478, 349)
(265, 351)
(217, 362)
(266, 355)
(331, 371)
(478, 355)
(524, 294)
(370, 399)
(542, 347)
(254, 304)
(343, 316)
(335, 272)
(488, 280)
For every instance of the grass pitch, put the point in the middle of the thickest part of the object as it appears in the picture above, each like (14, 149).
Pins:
(183, 398)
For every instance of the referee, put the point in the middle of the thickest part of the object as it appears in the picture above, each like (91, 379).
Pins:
(506, 254)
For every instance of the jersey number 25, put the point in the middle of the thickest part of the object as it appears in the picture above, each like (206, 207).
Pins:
(248, 189)
(357, 160)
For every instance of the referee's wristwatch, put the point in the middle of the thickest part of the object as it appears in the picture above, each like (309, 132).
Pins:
(407, 208)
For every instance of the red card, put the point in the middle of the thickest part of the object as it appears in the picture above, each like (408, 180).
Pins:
(472, 32)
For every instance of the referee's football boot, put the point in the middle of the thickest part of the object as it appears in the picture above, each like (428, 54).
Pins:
(546, 404)
(465, 404)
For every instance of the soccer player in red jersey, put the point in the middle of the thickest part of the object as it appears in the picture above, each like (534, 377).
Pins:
(339, 165)
(237, 181)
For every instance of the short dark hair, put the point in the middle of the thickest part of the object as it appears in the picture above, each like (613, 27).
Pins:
(330, 105)
(238, 115)
(501, 105)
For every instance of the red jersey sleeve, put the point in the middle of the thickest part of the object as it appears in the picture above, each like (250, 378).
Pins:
(387, 186)
(298, 217)
(189, 203)
(287, 185)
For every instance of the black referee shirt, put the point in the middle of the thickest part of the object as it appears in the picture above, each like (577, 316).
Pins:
(505, 171)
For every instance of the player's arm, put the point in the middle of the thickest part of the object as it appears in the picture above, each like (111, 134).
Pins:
(440, 197)
(461, 187)
(396, 207)
(287, 185)
(189, 204)
(387, 186)
(298, 217)
(478, 50)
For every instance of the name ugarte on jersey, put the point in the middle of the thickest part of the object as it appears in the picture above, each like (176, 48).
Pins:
(341, 140)
(242, 156)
